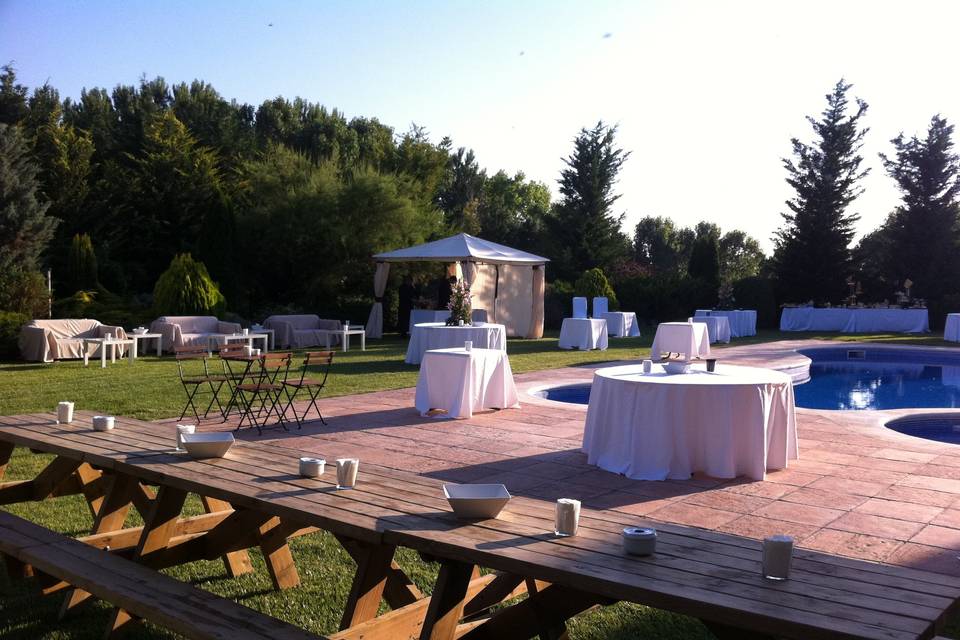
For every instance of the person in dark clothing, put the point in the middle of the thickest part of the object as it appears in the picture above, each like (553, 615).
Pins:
(407, 293)
(445, 291)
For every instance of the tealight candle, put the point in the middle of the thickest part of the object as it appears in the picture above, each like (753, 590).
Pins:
(647, 366)
(108, 336)
(639, 541)
(468, 345)
(181, 430)
(567, 519)
(246, 332)
(347, 469)
(248, 351)
(65, 412)
(103, 423)
(312, 467)
(777, 555)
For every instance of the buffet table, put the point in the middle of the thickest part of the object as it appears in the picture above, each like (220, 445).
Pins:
(688, 338)
(846, 320)
(461, 382)
(436, 335)
(743, 322)
(621, 324)
(951, 331)
(583, 334)
(737, 421)
(718, 327)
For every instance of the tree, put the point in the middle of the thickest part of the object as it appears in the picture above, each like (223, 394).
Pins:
(584, 227)
(186, 288)
(594, 283)
(705, 260)
(13, 97)
(812, 256)
(82, 261)
(924, 231)
(512, 210)
(740, 257)
(461, 191)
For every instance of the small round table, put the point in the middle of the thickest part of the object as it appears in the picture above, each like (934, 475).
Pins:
(437, 335)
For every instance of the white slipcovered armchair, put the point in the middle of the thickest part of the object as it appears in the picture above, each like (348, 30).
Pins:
(301, 331)
(62, 339)
(182, 331)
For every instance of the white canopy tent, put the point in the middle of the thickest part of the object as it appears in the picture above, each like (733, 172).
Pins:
(507, 282)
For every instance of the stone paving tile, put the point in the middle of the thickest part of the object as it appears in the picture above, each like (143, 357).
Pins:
(899, 510)
(925, 557)
(946, 485)
(791, 477)
(935, 536)
(918, 496)
(905, 456)
(761, 489)
(821, 498)
(799, 513)
(753, 526)
(876, 526)
(693, 515)
(854, 545)
(846, 485)
(727, 501)
(947, 518)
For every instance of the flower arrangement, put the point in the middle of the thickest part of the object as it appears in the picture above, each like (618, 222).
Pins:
(459, 304)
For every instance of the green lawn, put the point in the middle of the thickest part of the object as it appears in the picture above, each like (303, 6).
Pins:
(149, 389)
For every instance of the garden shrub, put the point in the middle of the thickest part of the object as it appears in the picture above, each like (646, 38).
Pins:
(186, 288)
(556, 303)
(10, 323)
(665, 298)
(594, 283)
(24, 292)
(82, 262)
(758, 293)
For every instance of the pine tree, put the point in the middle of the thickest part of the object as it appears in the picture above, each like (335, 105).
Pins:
(924, 232)
(82, 261)
(812, 255)
(705, 260)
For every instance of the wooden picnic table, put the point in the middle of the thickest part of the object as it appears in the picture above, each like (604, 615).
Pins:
(255, 497)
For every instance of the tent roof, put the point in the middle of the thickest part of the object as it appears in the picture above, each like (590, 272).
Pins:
(464, 248)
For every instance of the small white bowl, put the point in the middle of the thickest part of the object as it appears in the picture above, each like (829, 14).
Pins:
(673, 368)
(207, 445)
(476, 500)
(103, 423)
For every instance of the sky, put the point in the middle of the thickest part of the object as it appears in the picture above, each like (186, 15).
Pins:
(706, 95)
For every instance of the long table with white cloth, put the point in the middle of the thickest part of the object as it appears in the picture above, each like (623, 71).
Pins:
(951, 330)
(461, 382)
(718, 328)
(854, 320)
(583, 334)
(436, 335)
(743, 322)
(736, 421)
(621, 324)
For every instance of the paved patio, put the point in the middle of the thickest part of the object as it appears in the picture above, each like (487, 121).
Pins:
(858, 489)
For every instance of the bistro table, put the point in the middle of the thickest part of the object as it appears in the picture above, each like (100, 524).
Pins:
(227, 338)
(718, 327)
(736, 421)
(437, 335)
(743, 322)
(461, 382)
(137, 337)
(951, 330)
(621, 324)
(583, 334)
(687, 338)
(113, 343)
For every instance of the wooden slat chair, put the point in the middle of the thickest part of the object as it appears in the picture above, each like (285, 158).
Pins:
(262, 397)
(312, 386)
(194, 377)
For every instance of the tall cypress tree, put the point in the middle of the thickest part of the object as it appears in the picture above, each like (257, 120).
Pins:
(924, 232)
(812, 255)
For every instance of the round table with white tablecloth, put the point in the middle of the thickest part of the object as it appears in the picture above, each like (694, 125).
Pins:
(951, 330)
(436, 335)
(736, 421)
(743, 322)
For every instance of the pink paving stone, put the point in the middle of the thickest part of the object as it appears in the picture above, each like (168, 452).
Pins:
(876, 526)
(847, 485)
(854, 545)
(799, 513)
(694, 516)
(727, 501)
(761, 489)
(752, 526)
(926, 558)
(829, 499)
(939, 471)
(918, 496)
(641, 508)
(946, 461)
(903, 455)
(944, 537)
(899, 510)
(878, 476)
(936, 484)
(791, 477)
(948, 518)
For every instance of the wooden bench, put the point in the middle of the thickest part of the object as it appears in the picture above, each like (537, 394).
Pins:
(139, 591)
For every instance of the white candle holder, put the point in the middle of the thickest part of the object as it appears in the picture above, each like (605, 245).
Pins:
(103, 423)
(566, 520)
(347, 469)
(777, 557)
(640, 541)
(183, 429)
(246, 332)
(647, 366)
(65, 412)
(468, 345)
(312, 467)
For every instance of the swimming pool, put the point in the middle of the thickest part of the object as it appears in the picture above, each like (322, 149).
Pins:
(863, 378)
(570, 393)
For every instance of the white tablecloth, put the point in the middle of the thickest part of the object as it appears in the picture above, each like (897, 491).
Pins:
(421, 316)
(743, 322)
(690, 338)
(951, 330)
(436, 335)
(583, 334)
(734, 422)
(718, 327)
(854, 320)
(462, 382)
(621, 324)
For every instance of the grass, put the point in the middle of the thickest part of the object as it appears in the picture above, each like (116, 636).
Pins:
(149, 389)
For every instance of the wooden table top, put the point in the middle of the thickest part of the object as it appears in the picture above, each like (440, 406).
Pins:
(706, 574)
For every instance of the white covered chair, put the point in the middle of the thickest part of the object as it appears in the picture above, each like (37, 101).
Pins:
(599, 306)
(579, 307)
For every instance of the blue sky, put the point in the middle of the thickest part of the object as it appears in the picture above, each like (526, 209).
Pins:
(707, 94)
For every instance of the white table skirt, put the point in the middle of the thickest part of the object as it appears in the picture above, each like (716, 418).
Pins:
(420, 316)
(738, 421)
(461, 382)
(718, 327)
(436, 335)
(854, 320)
(951, 330)
(690, 338)
(743, 322)
(621, 324)
(583, 334)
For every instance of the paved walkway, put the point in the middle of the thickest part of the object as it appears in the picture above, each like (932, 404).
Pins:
(859, 489)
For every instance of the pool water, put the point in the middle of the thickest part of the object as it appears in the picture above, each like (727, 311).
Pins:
(574, 394)
(942, 427)
(863, 379)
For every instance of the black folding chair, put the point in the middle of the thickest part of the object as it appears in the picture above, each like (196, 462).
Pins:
(262, 398)
(313, 387)
(193, 380)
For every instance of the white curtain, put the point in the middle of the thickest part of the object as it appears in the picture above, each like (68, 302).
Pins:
(536, 315)
(473, 278)
(375, 321)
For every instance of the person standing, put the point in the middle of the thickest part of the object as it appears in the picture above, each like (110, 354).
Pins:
(407, 293)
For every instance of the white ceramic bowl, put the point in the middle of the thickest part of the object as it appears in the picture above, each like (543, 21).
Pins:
(674, 368)
(476, 500)
(207, 445)
(139, 331)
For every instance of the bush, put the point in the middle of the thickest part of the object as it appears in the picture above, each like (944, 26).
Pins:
(758, 293)
(24, 292)
(556, 303)
(594, 283)
(186, 288)
(104, 306)
(10, 323)
(83, 263)
(664, 299)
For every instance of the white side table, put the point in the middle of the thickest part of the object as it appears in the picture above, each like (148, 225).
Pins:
(113, 343)
(137, 337)
(345, 333)
(269, 332)
(249, 338)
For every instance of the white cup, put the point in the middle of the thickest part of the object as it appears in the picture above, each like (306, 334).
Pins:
(647, 366)
(312, 467)
(347, 469)
(103, 423)
(468, 345)
(248, 350)
(567, 518)
(65, 412)
(108, 336)
(181, 430)
(777, 557)
(346, 324)
(256, 352)
(246, 332)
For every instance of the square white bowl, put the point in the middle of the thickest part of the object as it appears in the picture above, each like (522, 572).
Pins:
(476, 500)
(673, 368)
(207, 445)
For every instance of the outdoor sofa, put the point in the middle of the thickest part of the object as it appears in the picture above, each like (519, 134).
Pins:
(184, 331)
(301, 331)
(62, 339)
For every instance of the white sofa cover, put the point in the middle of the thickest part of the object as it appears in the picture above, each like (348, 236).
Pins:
(301, 331)
(182, 331)
(62, 339)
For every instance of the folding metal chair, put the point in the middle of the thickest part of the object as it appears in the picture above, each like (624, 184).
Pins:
(193, 381)
(312, 386)
(262, 398)
(233, 378)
